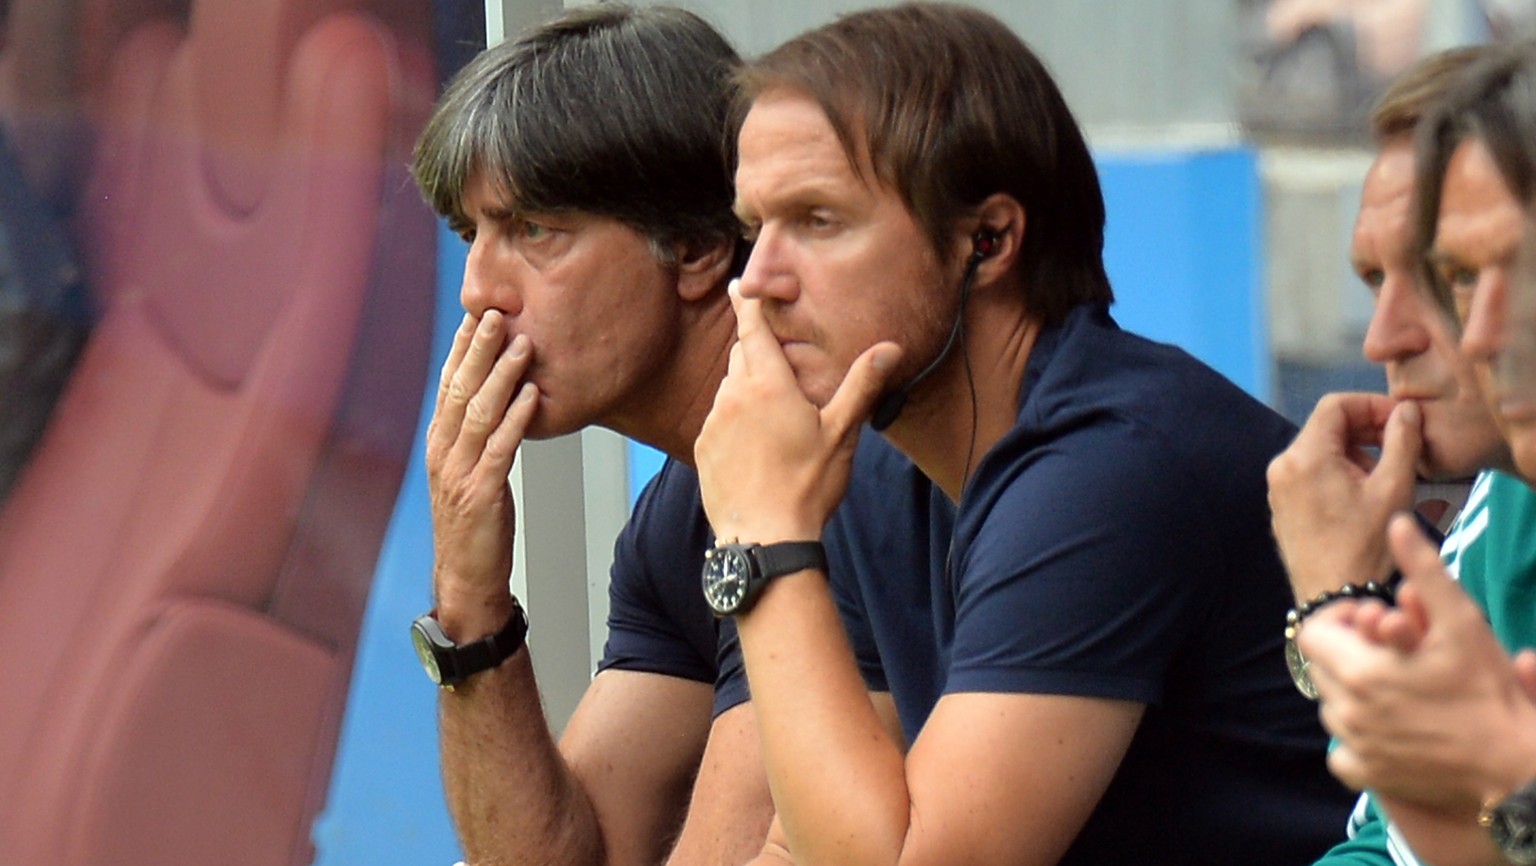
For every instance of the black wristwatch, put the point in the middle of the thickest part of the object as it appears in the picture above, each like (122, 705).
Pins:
(734, 574)
(1512, 824)
(448, 664)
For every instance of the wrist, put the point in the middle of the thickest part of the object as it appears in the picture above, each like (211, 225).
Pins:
(1510, 770)
(1310, 579)
(736, 573)
(767, 532)
(1296, 617)
(451, 663)
(470, 612)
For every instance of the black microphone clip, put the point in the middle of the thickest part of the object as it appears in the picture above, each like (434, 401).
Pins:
(984, 244)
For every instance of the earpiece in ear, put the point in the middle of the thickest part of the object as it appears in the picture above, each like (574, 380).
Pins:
(984, 244)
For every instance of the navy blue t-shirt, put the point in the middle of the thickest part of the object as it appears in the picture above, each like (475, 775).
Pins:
(1115, 544)
(658, 621)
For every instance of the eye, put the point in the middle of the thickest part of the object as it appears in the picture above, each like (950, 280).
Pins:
(463, 228)
(1461, 280)
(1374, 278)
(533, 230)
(818, 220)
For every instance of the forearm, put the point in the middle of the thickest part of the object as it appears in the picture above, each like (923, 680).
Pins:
(838, 779)
(511, 794)
(730, 810)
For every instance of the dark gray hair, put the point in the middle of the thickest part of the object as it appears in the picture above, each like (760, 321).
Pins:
(609, 109)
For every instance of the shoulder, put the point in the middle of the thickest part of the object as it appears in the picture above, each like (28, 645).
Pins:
(657, 619)
(666, 535)
(1117, 421)
(1097, 369)
(673, 492)
(1129, 457)
(668, 516)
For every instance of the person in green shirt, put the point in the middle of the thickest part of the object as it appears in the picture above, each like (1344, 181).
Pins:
(1330, 509)
(1428, 708)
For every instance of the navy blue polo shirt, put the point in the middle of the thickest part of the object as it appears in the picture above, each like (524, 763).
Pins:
(1115, 544)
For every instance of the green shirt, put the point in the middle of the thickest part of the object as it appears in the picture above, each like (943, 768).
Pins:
(1491, 549)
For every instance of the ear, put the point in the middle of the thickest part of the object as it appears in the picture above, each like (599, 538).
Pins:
(702, 268)
(1001, 216)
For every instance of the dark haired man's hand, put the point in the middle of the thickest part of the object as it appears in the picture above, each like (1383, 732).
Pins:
(479, 421)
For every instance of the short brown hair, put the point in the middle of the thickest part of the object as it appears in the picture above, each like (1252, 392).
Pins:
(953, 107)
(1413, 93)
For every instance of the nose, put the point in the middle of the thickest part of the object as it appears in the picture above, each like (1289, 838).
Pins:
(768, 273)
(486, 284)
(1397, 330)
(1483, 335)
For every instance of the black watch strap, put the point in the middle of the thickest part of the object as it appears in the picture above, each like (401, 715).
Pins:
(493, 649)
(788, 557)
(454, 663)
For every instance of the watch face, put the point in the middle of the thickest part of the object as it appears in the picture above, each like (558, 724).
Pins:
(1298, 665)
(423, 646)
(1513, 828)
(727, 573)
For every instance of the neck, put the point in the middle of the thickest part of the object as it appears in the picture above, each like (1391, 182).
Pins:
(670, 413)
(941, 430)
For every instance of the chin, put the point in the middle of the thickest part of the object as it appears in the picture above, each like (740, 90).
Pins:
(817, 388)
(1448, 464)
(1525, 461)
(1522, 446)
(549, 423)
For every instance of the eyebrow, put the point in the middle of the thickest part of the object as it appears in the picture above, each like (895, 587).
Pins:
(809, 193)
(1438, 257)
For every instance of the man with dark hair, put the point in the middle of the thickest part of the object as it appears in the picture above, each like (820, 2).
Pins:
(1429, 710)
(583, 164)
(1095, 674)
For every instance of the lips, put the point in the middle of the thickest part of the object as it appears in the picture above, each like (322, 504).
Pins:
(1420, 388)
(785, 337)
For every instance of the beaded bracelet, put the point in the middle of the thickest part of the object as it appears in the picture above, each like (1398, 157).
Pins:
(1297, 663)
(1385, 591)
